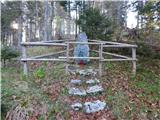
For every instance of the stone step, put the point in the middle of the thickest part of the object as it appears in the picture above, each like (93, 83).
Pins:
(89, 107)
(76, 81)
(94, 89)
(77, 91)
(92, 81)
(83, 92)
(76, 106)
(87, 72)
(83, 72)
(89, 82)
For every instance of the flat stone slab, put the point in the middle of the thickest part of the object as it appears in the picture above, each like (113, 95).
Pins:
(87, 72)
(95, 106)
(76, 81)
(77, 91)
(92, 81)
(94, 89)
(77, 106)
(72, 72)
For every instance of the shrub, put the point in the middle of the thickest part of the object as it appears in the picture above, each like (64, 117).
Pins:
(147, 50)
(144, 50)
(40, 73)
(7, 53)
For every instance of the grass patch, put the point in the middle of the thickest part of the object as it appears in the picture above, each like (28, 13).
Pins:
(19, 89)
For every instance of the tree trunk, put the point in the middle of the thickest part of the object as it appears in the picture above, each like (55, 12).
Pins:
(69, 18)
(51, 20)
(14, 39)
(24, 31)
(4, 63)
(46, 20)
(19, 31)
(36, 21)
(76, 20)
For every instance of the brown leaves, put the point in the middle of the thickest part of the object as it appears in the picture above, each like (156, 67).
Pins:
(101, 115)
(38, 109)
(53, 90)
(59, 117)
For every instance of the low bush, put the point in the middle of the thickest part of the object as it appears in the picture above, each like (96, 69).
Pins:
(142, 50)
(7, 53)
(40, 73)
(145, 50)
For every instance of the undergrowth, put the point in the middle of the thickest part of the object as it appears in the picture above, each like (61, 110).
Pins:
(129, 97)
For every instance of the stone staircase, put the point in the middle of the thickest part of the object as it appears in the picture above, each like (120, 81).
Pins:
(85, 84)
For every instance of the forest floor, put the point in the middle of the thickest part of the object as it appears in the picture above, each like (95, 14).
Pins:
(45, 92)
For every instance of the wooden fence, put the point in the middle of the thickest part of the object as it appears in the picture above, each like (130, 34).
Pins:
(67, 57)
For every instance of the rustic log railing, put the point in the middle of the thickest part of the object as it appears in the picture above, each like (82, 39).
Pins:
(66, 59)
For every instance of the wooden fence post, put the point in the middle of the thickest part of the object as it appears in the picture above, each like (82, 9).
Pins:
(24, 55)
(100, 58)
(67, 55)
(134, 60)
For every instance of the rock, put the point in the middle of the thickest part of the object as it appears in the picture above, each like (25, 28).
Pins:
(81, 50)
(87, 72)
(94, 89)
(95, 106)
(80, 71)
(92, 81)
(91, 72)
(72, 72)
(77, 91)
(76, 106)
(72, 68)
(76, 81)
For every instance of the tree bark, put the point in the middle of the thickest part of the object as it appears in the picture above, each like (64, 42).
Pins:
(19, 31)
(76, 20)
(46, 20)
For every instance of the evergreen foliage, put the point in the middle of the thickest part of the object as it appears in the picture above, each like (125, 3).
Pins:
(7, 53)
(10, 11)
(95, 24)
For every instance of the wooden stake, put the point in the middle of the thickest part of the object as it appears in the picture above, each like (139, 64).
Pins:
(67, 55)
(24, 55)
(100, 59)
(134, 60)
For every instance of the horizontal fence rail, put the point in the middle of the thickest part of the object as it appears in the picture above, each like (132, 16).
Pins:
(111, 43)
(129, 59)
(95, 58)
(42, 44)
(67, 57)
(120, 46)
(90, 43)
(41, 59)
